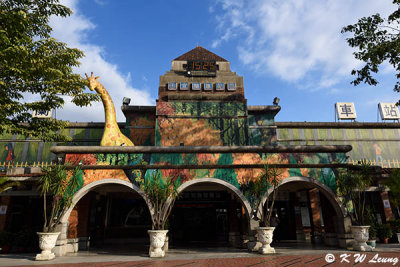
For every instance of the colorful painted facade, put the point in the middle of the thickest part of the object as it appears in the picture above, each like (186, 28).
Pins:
(201, 103)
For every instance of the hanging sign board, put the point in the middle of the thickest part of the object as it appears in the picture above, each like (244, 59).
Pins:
(42, 114)
(346, 111)
(389, 111)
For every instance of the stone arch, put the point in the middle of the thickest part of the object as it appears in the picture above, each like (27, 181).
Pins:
(62, 247)
(333, 199)
(340, 221)
(87, 188)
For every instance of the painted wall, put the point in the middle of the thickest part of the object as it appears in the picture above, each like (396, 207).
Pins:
(380, 146)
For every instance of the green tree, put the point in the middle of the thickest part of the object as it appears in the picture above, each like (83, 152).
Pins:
(394, 185)
(34, 65)
(378, 41)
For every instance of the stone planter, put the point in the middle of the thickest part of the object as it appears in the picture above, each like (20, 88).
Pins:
(398, 237)
(157, 241)
(361, 235)
(265, 235)
(47, 241)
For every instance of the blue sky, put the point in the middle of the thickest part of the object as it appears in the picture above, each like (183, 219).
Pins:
(292, 49)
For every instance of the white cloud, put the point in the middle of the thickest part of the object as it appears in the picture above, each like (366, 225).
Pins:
(73, 31)
(295, 39)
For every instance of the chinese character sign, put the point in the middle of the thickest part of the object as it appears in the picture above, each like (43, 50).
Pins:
(42, 114)
(346, 111)
(389, 111)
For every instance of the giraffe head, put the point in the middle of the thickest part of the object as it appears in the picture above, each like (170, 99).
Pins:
(92, 81)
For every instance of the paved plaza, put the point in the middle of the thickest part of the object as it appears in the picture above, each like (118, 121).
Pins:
(290, 254)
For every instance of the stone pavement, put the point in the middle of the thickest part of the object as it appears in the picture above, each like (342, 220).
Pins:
(297, 254)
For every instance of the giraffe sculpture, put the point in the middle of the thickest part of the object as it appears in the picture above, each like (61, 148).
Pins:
(112, 135)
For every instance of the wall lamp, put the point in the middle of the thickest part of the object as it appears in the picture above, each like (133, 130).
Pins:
(126, 101)
(276, 101)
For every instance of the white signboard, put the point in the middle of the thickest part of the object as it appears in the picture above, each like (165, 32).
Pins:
(346, 111)
(42, 114)
(386, 203)
(172, 86)
(3, 210)
(389, 111)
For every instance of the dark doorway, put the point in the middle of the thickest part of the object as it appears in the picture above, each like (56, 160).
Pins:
(286, 229)
(201, 218)
(117, 218)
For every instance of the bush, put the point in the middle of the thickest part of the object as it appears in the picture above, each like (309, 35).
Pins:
(384, 231)
(372, 232)
(395, 225)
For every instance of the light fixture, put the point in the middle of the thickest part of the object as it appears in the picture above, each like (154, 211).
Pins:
(276, 101)
(126, 101)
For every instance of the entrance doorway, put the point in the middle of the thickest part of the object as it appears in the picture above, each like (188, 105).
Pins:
(112, 217)
(207, 214)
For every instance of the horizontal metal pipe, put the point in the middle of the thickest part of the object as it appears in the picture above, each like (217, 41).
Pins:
(206, 166)
(199, 149)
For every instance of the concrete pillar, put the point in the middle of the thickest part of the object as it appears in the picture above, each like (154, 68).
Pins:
(61, 244)
(386, 206)
(253, 244)
(345, 238)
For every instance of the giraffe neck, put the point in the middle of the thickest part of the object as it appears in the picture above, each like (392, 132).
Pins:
(109, 109)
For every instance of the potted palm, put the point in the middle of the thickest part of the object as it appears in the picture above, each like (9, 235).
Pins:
(370, 219)
(60, 187)
(352, 185)
(269, 178)
(161, 192)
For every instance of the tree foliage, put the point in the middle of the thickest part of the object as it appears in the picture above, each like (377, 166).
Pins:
(56, 184)
(378, 41)
(161, 193)
(352, 185)
(394, 185)
(270, 177)
(35, 66)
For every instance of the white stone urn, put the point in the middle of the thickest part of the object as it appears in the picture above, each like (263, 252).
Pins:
(47, 241)
(361, 235)
(264, 235)
(157, 241)
(398, 237)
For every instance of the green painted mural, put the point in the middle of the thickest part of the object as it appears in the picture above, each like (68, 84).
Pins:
(380, 146)
(241, 178)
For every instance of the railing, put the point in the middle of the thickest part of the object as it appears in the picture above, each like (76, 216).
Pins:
(394, 163)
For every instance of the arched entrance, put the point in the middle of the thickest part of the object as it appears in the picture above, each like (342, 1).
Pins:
(209, 212)
(308, 211)
(108, 213)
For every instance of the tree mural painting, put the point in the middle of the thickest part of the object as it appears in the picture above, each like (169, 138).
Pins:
(241, 178)
(226, 119)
